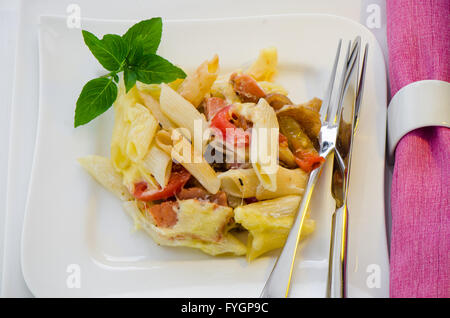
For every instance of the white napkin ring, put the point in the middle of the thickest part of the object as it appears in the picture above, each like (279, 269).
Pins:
(419, 104)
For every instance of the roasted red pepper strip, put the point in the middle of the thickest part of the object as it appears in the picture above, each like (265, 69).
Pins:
(223, 122)
(176, 182)
(305, 155)
(282, 140)
(247, 88)
(308, 160)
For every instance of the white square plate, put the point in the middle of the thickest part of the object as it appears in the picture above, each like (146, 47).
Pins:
(75, 228)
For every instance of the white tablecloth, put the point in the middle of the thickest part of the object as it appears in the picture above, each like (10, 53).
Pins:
(368, 12)
(8, 35)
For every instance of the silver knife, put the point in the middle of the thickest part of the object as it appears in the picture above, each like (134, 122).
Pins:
(336, 287)
(279, 280)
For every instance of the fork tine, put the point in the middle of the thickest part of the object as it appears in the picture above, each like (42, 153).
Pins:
(348, 52)
(353, 64)
(327, 99)
(334, 113)
(360, 89)
(331, 111)
(355, 46)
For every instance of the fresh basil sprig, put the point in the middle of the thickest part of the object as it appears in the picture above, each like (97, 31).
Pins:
(134, 54)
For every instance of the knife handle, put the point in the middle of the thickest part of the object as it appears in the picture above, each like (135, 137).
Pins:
(338, 252)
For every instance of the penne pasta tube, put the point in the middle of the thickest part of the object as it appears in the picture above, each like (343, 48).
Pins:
(265, 66)
(272, 88)
(153, 90)
(119, 138)
(269, 223)
(244, 183)
(264, 144)
(103, 171)
(241, 183)
(142, 129)
(184, 115)
(184, 153)
(159, 164)
(289, 181)
(197, 85)
(283, 206)
(137, 173)
(164, 141)
(153, 105)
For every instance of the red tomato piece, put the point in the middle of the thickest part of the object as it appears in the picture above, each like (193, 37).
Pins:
(213, 105)
(223, 122)
(176, 182)
(308, 160)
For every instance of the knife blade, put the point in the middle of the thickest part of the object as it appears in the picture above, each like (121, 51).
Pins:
(340, 180)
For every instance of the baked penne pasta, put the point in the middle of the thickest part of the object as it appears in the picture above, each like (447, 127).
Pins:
(119, 138)
(209, 217)
(163, 140)
(200, 158)
(154, 90)
(269, 223)
(265, 66)
(264, 144)
(244, 183)
(103, 171)
(197, 85)
(159, 164)
(136, 173)
(153, 105)
(141, 131)
(184, 153)
(272, 88)
(241, 183)
(289, 181)
(183, 114)
(134, 129)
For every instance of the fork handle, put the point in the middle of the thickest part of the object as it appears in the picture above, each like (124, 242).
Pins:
(277, 285)
(338, 251)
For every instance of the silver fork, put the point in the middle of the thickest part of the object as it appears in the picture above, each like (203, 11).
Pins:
(279, 280)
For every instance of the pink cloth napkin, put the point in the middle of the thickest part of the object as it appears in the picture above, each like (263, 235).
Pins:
(419, 49)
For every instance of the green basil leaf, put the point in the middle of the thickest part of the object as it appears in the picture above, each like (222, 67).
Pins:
(111, 51)
(96, 97)
(136, 51)
(129, 77)
(153, 69)
(150, 31)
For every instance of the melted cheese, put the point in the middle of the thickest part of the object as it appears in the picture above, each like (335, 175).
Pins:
(269, 223)
(201, 225)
